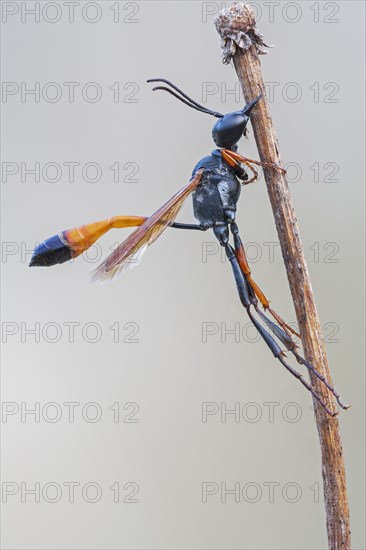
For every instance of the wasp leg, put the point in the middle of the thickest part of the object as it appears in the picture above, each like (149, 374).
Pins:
(234, 163)
(311, 367)
(228, 154)
(255, 173)
(280, 331)
(188, 226)
(247, 300)
(242, 259)
(291, 346)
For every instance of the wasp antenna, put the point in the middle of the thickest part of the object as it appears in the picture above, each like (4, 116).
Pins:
(201, 109)
(249, 106)
(185, 98)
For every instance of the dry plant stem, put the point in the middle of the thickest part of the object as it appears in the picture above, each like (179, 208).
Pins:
(248, 68)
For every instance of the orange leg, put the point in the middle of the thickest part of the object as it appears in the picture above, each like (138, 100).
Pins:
(248, 292)
(255, 173)
(231, 156)
(244, 265)
(232, 161)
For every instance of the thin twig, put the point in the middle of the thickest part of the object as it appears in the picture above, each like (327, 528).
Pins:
(243, 43)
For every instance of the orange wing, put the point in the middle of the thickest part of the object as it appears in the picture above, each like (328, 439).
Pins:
(130, 251)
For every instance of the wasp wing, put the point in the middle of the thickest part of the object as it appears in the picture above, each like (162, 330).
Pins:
(128, 253)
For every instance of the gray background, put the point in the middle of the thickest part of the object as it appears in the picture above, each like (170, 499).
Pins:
(169, 372)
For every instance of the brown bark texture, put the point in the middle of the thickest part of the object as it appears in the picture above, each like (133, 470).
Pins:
(242, 43)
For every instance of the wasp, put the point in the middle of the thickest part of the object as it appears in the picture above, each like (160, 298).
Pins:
(215, 186)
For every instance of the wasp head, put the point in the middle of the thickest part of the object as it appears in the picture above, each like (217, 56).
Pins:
(231, 127)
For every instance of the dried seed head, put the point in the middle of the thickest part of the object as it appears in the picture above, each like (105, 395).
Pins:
(237, 28)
